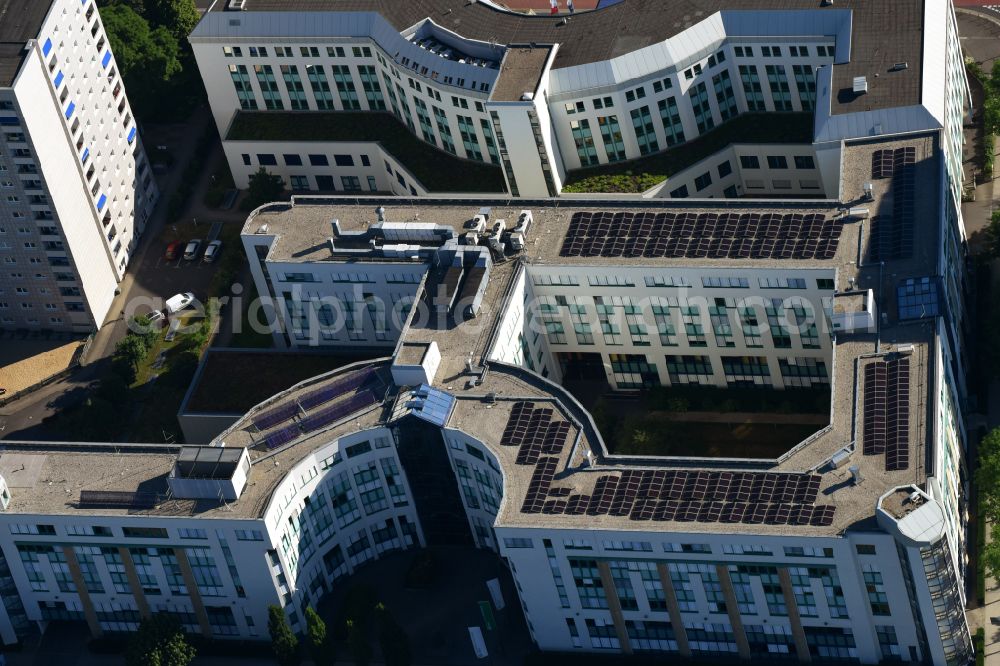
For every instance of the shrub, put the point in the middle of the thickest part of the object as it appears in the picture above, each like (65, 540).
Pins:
(159, 641)
(283, 641)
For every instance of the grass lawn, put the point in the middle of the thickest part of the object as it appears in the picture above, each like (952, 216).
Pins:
(233, 382)
(436, 170)
(641, 174)
(158, 391)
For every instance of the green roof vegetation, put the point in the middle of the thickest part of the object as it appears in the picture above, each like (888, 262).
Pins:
(436, 170)
(639, 175)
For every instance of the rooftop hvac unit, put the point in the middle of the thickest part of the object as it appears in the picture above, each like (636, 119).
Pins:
(262, 229)
(859, 212)
(869, 191)
(839, 458)
(860, 85)
(236, 5)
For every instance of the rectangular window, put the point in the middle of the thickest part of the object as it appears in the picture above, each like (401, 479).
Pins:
(320, 87)
(470, 142)
(752, 89)
(804, 162)
(293, 86)
(645, 133)
(268, 87)
(345, 86)
(724, 95)
(584, 141)
(805, 82)
(777, 162)
(698, 94)
(244, 91)
(781, 94)
(611, 134)
(373, 89)
(444, 130)
(670, 117)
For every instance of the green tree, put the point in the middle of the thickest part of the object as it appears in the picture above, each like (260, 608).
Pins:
(159, 641)
(392, 639)
(147, 57)
(264, 188)
(132, 349)
(357, 642)
(991, 553)
(321, 646)
(988, 475)
(178, 16)
(283, 640)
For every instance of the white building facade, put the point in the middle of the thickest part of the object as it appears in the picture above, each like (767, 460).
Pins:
(575, 109)
(77, 186)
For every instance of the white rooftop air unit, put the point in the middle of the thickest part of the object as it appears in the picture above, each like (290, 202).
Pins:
(869, 195)
(236, 5)
(859, 212)
(860, 85)
(527, 96)
(262, 229)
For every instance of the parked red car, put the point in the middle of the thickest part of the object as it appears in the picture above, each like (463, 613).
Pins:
(173, 250)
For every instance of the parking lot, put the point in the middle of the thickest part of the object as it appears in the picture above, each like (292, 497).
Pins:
(158, 278)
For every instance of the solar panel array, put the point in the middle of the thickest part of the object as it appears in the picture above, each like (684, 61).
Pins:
(317, 420)
(883, 162)
(887, 412)
(892, 235)
(338, 388)
(355, 403)
(661, 495)
(685, 496)
(118, 499)
(534, 432)
(702, 235)
(282, 436)
(273, 417)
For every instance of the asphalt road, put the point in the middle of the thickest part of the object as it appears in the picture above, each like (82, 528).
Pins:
(149, 280)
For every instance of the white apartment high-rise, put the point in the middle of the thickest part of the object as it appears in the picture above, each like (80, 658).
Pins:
(76, 188)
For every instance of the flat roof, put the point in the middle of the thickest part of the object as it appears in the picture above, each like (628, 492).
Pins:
(520, 72)
(53, 476)
(20, 20)
(883, 33)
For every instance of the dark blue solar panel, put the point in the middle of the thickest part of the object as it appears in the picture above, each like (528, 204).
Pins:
(275, 416)
(338, 411)
(283, 436)
(337, 388)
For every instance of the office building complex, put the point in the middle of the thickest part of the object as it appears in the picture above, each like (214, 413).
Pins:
(849, 544)
(488, 315)
(75, 185)
(329, 102)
